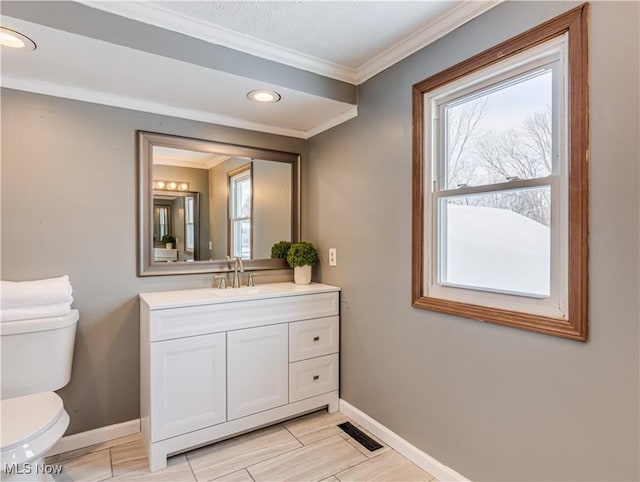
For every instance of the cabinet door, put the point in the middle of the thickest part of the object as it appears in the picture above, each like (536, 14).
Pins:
(257, 364)
(188, 389)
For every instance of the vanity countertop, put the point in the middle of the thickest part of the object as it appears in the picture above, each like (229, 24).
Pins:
(161, 300)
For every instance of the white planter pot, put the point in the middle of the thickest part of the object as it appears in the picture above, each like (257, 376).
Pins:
(169, 245)
(302, 275)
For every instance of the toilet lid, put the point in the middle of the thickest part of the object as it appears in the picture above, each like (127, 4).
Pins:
(24, 418)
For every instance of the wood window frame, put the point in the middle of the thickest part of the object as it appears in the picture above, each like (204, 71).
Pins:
(187, 250)
(230, 175)
(575, 23)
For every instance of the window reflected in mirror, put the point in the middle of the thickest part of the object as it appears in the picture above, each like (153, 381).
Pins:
(189, 224)
(240, 209)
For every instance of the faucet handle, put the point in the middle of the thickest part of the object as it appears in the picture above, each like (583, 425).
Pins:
(222, 281)
(250, 281)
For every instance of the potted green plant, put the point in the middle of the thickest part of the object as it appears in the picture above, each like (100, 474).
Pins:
(301, 257)
(168, 241)
(280, 249)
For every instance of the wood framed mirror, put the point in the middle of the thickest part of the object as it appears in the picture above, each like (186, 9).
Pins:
(190, 190)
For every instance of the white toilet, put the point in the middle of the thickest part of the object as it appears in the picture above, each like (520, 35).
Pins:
(36, 359)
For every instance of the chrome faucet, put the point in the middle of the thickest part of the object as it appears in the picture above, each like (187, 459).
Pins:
(236, 278)
(222, 281)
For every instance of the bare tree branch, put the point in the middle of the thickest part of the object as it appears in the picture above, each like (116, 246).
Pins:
(487, 157)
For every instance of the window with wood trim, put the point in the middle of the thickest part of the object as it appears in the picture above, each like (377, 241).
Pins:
(189, 224)
(240, 212)
(500, 183)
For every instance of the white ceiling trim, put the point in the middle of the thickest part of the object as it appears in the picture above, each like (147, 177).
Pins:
(344, 117)
(176, 22)
(179, 163)
(155, 15)
(438, 28)
(213, 162)
(194, 164)
(76, 93)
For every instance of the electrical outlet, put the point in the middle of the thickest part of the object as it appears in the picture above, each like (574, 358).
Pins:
(333, 259)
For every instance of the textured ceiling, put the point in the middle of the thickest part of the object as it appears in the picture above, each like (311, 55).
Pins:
(346, 33)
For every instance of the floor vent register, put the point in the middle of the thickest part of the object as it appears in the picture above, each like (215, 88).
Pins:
(360, 437)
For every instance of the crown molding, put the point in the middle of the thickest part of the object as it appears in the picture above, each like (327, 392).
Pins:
(204, 164)
(95, 97)
(435, 30)
(155, 15)
(214, 161)
(112, 100)
(344, 117)
(159, 17)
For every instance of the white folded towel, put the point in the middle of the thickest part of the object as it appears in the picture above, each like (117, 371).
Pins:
(52, 291)
(30, 312)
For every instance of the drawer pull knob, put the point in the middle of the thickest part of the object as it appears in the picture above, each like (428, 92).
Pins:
(316, 338)
(316, 377)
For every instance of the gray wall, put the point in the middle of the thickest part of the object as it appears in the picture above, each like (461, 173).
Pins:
(492, 402)
(271, 205)
(69, 206)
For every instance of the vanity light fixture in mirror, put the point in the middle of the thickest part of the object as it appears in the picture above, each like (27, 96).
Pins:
(170, 186)
(188, 190)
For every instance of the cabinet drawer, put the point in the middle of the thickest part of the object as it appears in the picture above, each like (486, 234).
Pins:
(313, 338)
(309, 378)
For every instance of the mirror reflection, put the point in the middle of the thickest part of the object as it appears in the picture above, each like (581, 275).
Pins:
(207, 201)
(245, 207)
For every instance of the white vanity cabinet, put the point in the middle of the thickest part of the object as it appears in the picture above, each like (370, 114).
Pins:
(215, 363)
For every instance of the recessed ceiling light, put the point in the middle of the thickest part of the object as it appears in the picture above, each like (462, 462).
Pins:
(11, 38)
(264, 96)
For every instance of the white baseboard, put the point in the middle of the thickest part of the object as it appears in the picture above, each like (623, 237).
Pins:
(400, 445)
(393, 440)
(95, 436)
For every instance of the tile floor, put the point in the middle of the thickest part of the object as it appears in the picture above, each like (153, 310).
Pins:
(309, 448)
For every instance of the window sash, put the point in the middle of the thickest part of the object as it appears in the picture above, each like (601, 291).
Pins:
(442, 246)
(238, 249)
(550, 55)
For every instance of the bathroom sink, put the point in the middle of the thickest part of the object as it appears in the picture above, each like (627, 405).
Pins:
(161, 300)
(246, 291)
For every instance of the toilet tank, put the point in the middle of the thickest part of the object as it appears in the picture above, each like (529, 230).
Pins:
(36, 354)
